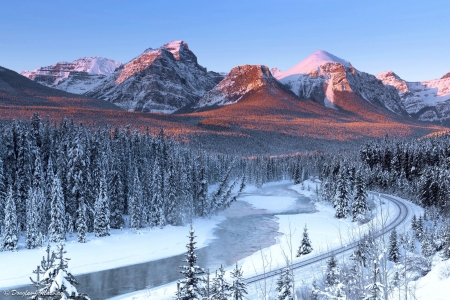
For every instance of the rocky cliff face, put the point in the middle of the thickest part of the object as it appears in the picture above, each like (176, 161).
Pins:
(75, 77)
(159, 80)
(322, 76)
(426, 101)
(240, 81)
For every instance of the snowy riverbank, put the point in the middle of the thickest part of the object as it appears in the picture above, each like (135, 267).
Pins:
(121, 248)
(325, 232)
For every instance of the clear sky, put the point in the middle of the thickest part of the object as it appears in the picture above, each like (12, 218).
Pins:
(412, 38)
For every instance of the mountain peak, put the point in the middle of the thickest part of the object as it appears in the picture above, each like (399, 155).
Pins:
(177, 47)
(312, 64)
(446, 76)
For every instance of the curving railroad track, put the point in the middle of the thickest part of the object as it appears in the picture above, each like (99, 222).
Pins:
(403, 212)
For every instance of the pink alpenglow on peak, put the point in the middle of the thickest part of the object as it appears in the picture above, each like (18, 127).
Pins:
(312, 64)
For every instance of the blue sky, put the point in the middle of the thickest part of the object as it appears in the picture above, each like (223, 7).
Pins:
(412, 38)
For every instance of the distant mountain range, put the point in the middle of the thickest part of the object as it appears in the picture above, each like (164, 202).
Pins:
(169, 79)
(252, 108)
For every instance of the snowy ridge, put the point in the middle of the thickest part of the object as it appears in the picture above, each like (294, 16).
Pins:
(240, 81)
(159, 80)
(312, 64)
(76, 77)
(320, 76)
(427, 100)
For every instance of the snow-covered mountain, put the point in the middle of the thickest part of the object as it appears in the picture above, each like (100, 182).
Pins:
(240, 81)
(326, 78)
(159, 80)
(427, 100)
(75, 77)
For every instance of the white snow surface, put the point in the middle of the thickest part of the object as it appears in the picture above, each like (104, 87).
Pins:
(311, 64)
(325, 233)
(91, 65)
(415, 96)
(95, 255)
(436, 284)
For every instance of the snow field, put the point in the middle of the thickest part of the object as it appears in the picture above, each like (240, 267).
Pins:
(325, 233)
(121, 248)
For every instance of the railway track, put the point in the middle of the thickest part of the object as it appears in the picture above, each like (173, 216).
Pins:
(403, 212)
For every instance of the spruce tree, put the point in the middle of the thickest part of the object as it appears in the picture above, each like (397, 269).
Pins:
(116, 196)
(314, 291)
(102, 215)
(341, 198)
(359, 206)
(32, 234)
(2, 194)
(221, 289)
(189, 286)
(56, 229)
(305, 246)
(10, 234)
(393, 251)
(134, 204)
(58, 280)
(238, 287)
(285, 285)
(81, 222)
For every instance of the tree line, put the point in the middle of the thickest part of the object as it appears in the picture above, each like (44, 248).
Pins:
(57, 179)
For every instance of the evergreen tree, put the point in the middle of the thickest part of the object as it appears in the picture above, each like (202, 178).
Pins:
(221, 289)
(81, 222)
(189, 286)
(134, 205)
(57, 280)
(419, 228)
(102, 215)
(314, 291)
(32, 235)
(297, 176)
(427, 246)
(359, 206)
(305, 246)
(394, 251)
(341, 198)
(238, 287)
(116, 196)
(10, 234)
(56, 229)
(2, 194)
(285, 285)
(332, 273)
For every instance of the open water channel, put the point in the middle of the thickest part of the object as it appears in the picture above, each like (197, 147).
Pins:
(244, 231)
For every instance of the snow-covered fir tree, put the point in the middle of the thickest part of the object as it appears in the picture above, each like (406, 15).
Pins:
(102, 215)
(2, 194)
(10, 236)
(134, 204)
(394, 250)
(32, 234)
(190, 285)
(341, 197)
(359, 205)
(220, 289)
(285, 285)
(238, 287)
(81, 222)
(305, 246)
(58, 281)
(56, 229)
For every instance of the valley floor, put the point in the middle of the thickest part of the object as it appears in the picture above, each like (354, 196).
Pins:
(325, 232)
(125, 247)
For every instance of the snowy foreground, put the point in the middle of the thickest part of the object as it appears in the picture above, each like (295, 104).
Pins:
(325, 232)
(123, 247)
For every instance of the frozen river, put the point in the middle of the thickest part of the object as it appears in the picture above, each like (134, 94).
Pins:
(244, 231)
